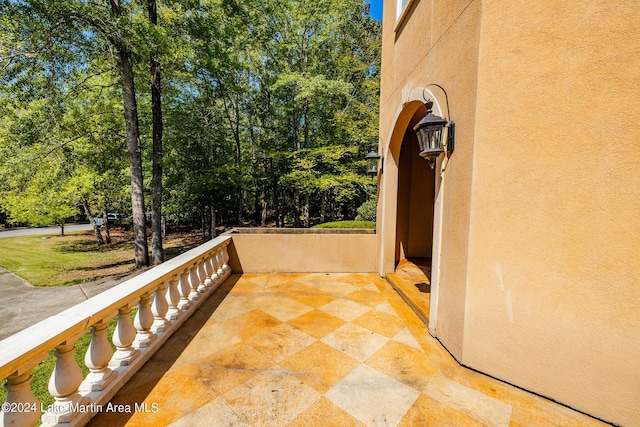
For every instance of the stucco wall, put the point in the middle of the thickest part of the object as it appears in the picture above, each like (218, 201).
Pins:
(303, 253)
(553, 279)
(437, 43)
(541, 199)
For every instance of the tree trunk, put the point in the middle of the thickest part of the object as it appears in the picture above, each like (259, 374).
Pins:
(92, 221)
(156, 181)
(135, 158)
(323, 206)
(212, 218)
(263, 209)
(305, 212)
(107, 227)
(133, 146)
(296, 200)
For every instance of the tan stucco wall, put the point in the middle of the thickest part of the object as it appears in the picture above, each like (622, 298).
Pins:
(450, 40)
(304, 253)
(553, 280)
(541, 221)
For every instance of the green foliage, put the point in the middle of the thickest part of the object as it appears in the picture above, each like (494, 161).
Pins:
(368, 210)
(347, 224)
(269, 107)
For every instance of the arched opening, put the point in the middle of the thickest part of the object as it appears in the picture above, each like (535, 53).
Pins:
(416, 190)
(411, 215)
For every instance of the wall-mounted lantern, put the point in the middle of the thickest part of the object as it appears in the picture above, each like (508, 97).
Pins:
(430, 130)
(372, 159)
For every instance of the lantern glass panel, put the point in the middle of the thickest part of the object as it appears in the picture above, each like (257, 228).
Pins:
(372, 166)
(430, 138)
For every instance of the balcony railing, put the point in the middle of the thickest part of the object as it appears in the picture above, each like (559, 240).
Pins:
(165, 297)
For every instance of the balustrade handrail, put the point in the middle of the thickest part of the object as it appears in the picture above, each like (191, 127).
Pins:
(57, 328)
(22, 351)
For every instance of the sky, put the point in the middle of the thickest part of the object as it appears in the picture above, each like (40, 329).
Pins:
(376, 9)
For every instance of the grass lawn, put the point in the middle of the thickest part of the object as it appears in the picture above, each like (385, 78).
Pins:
(75, 258)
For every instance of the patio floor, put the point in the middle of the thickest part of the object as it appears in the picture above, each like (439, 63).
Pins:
(317, 350)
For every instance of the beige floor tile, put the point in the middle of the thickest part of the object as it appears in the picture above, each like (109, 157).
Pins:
(345, 309)
(245, 286)
(215, 413)
(231, 307)
(372, 397)
(403, 363)
(427, 412)
(317, 323)
(169, 401)
(275, 278)
(280, 307)
(319, 366)
(233, 366)
(272, 398)
(549, 414)
(312, 300)
(211, 339)
(281, 342)
(366, 296)
(485, 409)
(303, 293)
(380, 369)
(355, 341)
(360, 279)
(380, 322)
(328, 283)
(246, 325)
(385, 307)
(405, 337)
(326, 414)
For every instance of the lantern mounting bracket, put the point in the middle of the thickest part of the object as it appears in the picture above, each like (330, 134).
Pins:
(430, 129)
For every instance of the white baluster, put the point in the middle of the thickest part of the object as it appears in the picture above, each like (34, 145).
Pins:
(63, 386)
(193, 284)
(213, 268)
(123, 337)
(159, 308)
(199, 270)
(206, 273)
(219, 263)
(184, 288)
(143, 322)
(97, 360)
(173, 298)
(225, 260)
(20, 396)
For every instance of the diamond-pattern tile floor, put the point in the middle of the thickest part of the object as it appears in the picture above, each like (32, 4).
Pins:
(318, 350)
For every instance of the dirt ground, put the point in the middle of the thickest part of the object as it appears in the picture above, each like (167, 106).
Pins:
(118, 260)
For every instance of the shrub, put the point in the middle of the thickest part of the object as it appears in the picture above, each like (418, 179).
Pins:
(367, 210)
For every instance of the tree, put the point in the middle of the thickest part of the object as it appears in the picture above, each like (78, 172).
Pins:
(156, 180)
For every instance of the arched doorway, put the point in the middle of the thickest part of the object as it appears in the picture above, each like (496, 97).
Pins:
(410, 210)
(416, 190)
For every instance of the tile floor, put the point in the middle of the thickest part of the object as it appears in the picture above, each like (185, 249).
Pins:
(318, 350)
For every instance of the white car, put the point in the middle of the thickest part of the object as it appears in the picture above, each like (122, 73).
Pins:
(113, 218)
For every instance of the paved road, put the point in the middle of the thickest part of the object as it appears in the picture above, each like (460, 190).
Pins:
(22, 305)
(44, 230)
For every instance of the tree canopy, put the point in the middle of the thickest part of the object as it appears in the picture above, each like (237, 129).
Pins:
(268, 107)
